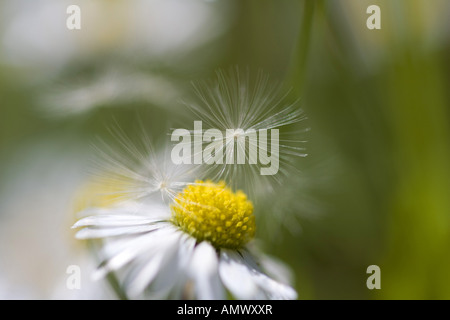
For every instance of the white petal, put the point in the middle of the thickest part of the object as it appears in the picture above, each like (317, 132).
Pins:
(203, 270)
(131, 210)
(155, 261)
(113, 220)
(236, 275)
(91, 233)
(159, 277)
(132, 249)
(276, 269)
(174, 270)
(273, 289)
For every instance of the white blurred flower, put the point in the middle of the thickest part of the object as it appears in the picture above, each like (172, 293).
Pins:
(36, 248)
(112, 87)
(34, 35)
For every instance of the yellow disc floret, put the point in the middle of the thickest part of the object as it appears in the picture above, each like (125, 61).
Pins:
(213, 212)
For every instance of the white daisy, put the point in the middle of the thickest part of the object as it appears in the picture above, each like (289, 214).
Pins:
(198, 247)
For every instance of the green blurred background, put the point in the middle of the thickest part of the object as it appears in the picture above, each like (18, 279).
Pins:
(377, 178)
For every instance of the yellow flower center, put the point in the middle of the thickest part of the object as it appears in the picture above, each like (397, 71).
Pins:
(213, 212)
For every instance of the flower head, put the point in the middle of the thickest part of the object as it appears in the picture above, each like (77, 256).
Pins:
(194, 239)
(194, 248)
(212, 212)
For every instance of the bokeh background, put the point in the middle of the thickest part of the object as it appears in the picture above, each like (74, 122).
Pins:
(374, 189)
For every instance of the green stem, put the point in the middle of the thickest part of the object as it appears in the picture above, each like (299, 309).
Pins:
(300, 55)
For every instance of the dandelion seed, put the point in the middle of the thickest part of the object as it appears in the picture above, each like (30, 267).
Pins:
(137, 171)
(246, 112)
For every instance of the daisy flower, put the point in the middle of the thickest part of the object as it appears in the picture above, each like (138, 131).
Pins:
(196, 247)
(167, 235)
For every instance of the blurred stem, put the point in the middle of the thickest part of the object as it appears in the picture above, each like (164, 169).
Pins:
(297, 73)
(110, 277)
(418, 261)
(114, 283)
